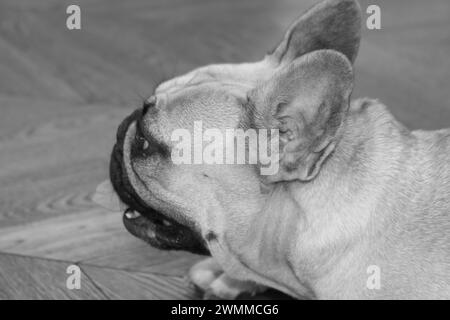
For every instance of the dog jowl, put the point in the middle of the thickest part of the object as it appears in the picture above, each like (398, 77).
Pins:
(336, 202)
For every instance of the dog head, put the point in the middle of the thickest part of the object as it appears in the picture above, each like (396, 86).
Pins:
(301, 89)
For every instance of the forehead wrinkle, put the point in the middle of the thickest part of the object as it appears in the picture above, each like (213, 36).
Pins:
(237, 88)
(204, 76)
(215, 111)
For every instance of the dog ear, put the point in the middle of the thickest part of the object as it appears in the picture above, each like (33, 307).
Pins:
(307, 102)
(331, 24)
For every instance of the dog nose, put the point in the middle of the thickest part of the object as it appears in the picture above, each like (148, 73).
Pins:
(149, 103)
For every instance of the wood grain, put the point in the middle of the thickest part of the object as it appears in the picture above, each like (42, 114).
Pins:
(94, 237)
(31, 278)
(121, 284)
(63, 93)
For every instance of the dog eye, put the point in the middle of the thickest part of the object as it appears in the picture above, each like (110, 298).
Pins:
(144, 147)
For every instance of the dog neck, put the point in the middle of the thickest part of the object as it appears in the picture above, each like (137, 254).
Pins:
(309, 232)
(337, 217)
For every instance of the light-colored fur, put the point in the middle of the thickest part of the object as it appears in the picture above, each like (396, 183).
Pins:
(383, 199)
(379, 195)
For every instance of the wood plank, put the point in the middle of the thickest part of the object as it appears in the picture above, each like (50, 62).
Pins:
(50, 166)
(31, 278)
(143, 258)
(156, 40)
(120, 284)
(72, 237)
(95, 237)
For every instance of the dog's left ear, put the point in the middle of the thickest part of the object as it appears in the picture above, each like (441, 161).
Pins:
(330, 24)
(307, 100)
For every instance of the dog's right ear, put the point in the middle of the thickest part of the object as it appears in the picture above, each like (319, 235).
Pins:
(331, 24)
(307, 101)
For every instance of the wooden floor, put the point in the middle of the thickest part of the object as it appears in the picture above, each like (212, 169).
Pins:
(63, 93)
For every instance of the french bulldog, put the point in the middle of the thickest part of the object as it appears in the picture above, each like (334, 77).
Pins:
(358, 209)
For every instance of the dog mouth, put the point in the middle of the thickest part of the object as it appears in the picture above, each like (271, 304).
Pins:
(141, 220)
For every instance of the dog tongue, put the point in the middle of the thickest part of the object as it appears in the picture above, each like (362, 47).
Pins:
(106, 197)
